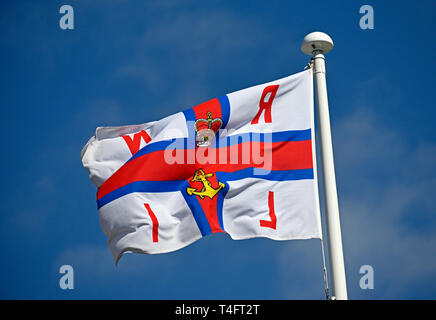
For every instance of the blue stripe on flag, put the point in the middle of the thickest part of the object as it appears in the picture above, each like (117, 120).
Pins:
(277, 175)
(197, 211)
(225, 110)
(141, 186)
(283, 136)
(189, 115)
(220, 202)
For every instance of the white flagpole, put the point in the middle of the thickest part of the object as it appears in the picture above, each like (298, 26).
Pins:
(316, 44)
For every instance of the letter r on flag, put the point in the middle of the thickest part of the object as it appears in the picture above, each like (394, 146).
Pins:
(266, 105)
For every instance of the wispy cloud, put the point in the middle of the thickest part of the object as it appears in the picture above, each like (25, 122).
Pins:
(387, 213)
(385, 186)
(202, 43)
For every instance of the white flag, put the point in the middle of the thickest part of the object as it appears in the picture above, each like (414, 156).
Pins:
(243, 164)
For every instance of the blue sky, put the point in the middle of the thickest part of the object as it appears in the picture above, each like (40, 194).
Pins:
(129, 62)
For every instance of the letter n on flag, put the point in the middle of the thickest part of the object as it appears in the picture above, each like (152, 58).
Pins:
(241, 164)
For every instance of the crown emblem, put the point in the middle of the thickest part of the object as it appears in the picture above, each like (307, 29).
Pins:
(206, 129)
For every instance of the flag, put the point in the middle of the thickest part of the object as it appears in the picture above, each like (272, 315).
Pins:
(241, 164)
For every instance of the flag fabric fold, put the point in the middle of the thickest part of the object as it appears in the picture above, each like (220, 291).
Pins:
(241, 164)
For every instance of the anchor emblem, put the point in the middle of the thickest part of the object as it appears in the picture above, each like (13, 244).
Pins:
(207, 190)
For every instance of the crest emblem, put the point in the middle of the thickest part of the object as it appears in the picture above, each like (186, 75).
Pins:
(206, 129)
(208, 190)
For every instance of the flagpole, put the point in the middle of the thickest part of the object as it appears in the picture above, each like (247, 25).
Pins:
(316, 44)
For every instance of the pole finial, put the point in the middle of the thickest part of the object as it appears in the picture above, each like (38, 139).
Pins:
(315, 42)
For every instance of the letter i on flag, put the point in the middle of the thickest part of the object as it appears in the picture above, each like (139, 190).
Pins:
(242, 164)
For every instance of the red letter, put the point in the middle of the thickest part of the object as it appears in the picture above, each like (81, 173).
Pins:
(266, 105)
(136, 142)
(154, 221)
(273, 223)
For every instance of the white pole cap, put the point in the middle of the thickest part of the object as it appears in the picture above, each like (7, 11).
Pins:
(316, 41)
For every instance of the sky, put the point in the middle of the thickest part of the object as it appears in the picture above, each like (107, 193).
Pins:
(130, 62)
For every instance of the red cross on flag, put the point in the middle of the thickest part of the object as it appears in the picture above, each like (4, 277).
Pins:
(242, 164)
